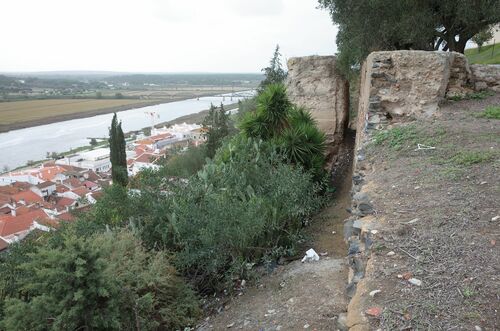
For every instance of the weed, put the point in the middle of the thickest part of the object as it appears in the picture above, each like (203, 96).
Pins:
(491, 112)
(399, 137)
(472, 96)
(468, 292)
(468, 158)
(396, 137)
(453, 173)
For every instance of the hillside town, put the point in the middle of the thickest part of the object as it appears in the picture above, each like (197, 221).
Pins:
(40, 198)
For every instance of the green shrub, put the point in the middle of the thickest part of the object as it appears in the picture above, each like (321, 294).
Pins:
(185, 164)
(292, 129)
(491, 112)
(238, 209)
(106, 281)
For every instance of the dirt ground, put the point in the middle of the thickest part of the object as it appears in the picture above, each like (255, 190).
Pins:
(438, 212)
(298, 296)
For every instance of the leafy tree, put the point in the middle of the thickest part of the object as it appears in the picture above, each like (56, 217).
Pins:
(482, 37)
(275, 73)
(367, 26)
(93, 142)
(118, 153)
(119, 95)
(98, 95)
(216, 126)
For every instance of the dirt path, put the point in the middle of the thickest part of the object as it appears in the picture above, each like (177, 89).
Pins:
(300, 296)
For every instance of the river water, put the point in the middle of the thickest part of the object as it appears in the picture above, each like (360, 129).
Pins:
(19, 146)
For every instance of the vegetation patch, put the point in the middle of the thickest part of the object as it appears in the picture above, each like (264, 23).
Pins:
(473, 96)
(486, 55)
(401, 137)
(491, 112)
(468, 158)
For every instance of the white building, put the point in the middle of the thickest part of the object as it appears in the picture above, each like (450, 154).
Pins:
(97, 160)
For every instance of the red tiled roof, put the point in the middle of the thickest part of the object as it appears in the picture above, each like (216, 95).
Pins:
(23, 210)
(48, 173)
(72, 182)
(64, 202)
(70, 167)
(14, 224)
(81, 191)
(9, 190)
(28, 196)
(45, 184)
(89, 184)
(61, 188)
(22, 185)
(147, 158)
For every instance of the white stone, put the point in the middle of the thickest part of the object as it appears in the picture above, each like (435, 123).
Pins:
(374, 292)
(415, 281)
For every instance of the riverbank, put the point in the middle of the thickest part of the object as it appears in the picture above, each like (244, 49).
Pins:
(9, 117)
(196, 118)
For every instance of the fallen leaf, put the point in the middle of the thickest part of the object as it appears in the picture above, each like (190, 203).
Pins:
(407, 275)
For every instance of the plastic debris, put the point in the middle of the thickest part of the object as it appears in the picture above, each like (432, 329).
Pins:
(311, 255)
(415, 281)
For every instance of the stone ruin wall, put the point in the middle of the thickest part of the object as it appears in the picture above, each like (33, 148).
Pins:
(314, 84)
(395, 87)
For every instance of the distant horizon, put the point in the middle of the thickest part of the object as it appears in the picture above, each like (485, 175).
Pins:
(97, 72)
(160, 36)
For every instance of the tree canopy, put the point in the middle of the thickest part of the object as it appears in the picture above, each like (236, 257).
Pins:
(367, 26)
(118, 153)
(274, 74)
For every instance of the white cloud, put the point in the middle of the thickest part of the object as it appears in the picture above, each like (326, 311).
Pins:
(159, 35)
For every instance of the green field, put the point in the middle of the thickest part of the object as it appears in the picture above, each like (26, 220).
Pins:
(489, 55)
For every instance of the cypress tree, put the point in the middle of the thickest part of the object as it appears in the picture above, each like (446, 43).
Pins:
(118, 154)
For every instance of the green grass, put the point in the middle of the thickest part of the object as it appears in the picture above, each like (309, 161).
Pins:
(488, 55)
(491, 112)
(468, 158)
(408, 136)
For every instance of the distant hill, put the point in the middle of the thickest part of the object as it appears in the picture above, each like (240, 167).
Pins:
(489, 54)
(48, 78)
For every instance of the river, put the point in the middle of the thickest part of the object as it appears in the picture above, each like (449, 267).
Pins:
(19, 146)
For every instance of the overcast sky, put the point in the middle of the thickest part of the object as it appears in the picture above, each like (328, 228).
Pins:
(159, 35)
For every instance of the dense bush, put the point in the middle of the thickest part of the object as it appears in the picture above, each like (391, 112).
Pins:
(240, 208)
(106, 281)
(185, 164)
(291, 128)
